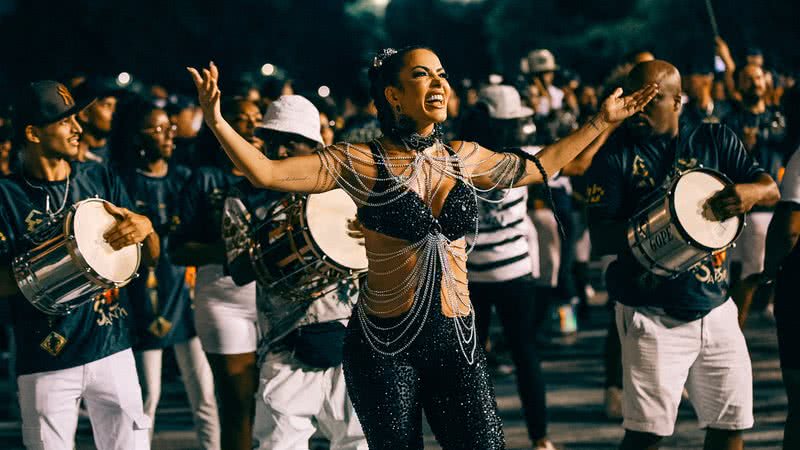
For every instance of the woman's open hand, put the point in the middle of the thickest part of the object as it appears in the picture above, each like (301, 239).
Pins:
(617, 108)
(208, 92)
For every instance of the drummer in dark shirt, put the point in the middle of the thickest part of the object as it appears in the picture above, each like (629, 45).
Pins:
(86, 354)
(680, 331)
(161, 303)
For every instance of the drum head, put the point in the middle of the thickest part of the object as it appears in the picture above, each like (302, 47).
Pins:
(90, 221)
(691, 192)
(327, 215)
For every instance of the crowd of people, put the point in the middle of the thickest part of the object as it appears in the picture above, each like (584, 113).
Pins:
(437, 212)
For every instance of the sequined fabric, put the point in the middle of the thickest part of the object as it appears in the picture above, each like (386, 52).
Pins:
(389, 393)
(409, 218)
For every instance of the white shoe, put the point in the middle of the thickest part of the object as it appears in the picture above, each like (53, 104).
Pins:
(614, 403)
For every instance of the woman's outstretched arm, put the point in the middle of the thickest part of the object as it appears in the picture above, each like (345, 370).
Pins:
(295, 174)
(490, 169)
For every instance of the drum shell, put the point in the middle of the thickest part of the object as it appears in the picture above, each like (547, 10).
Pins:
(49, 279)
(286, 258)
(55, 278)
(659, 244)
(658, 240)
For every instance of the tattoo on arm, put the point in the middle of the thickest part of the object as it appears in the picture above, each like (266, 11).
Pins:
(294, 178)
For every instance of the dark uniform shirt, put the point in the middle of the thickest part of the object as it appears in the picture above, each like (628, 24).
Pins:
(160, 297)
(201, 206)
(92, 331)
(628, 170)
(693, 115)
(769, 150)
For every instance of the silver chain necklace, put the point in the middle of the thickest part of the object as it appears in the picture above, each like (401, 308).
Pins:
(47, 195)
(432, 253)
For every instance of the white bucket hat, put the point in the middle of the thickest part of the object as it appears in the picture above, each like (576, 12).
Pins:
(293, 114)
(504, 102)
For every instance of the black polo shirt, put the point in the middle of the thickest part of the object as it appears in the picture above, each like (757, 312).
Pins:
(92, 331)
(622, 176)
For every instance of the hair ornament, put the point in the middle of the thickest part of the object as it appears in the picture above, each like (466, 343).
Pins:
(382, 55)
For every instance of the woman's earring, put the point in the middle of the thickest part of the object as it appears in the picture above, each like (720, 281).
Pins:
(142, 152)
(398, 109)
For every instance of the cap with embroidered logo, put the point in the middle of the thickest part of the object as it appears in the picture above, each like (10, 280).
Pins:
(45, 102)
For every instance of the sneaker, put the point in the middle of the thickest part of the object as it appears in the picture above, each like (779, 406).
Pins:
(614, 403)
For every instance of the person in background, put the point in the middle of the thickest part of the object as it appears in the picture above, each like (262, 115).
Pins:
(97, 119)
(272, 88)
(762, 129)
(363, 125)
(160, 297)
(301, 383)
(225, 314)
(781, 270)
(188, 120)
(500, 266)
(701, 107)
(542, 66)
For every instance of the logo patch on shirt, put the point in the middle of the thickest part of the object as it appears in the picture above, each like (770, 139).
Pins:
(160, 327)
(641, 174)
(53, 343)
(33, 220)
(107, 306)
(594, 193)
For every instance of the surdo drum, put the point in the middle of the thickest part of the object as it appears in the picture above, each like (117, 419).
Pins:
(677, 231)
(73, 264)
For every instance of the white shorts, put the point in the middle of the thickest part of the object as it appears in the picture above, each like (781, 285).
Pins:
(292, 404)
(661, 355)
(751, 245)
(225, 314)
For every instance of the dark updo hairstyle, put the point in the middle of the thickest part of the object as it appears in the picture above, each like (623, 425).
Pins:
(384, 71)
(126, 132)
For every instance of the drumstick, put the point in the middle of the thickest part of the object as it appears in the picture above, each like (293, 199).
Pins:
(712, 18)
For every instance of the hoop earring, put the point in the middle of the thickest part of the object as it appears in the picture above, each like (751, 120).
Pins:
(398, 109)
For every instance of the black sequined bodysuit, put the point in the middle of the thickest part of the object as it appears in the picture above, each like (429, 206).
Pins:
(390, 391)
(408, 217)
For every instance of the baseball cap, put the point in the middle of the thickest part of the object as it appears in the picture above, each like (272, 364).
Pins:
(45, 102)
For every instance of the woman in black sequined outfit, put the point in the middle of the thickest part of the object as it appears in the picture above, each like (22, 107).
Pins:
(411, 344)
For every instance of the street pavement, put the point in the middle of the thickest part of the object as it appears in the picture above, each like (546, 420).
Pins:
(573, 368)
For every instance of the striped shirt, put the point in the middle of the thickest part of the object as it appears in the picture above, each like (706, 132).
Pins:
(501, 251)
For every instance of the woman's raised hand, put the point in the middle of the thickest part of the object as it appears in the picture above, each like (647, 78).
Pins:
(617, 108)
(208, 92)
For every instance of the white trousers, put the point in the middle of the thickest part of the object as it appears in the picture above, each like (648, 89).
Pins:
(661, 355)
(751, 245)
(110, 390)
(293, 403)
(199, 383)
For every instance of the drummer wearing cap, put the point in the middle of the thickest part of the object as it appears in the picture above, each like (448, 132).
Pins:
(301, 383)
(680, 331)
(86, 354)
